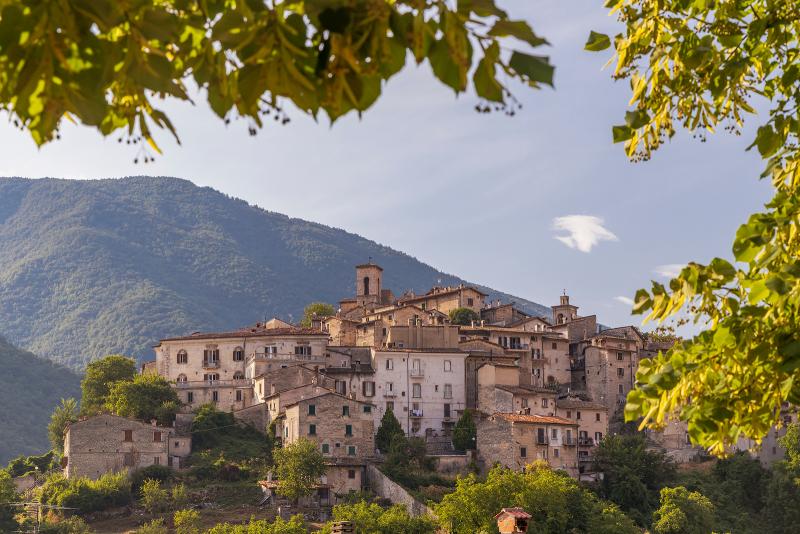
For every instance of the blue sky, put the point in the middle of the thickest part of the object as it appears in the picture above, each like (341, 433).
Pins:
(478, 195)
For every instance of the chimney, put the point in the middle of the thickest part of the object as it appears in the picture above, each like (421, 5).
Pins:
(512, 520)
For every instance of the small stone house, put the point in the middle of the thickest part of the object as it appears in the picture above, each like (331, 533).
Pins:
(108, 443)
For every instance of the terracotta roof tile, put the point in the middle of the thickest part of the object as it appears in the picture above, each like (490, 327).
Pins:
(251, 332)
(535, 419)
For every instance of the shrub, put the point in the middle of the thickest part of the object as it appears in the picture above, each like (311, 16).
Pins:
(161, 473)
(178, 497)
(70, 525)
(156, 526)
(376, 520)
(279, 526)
(153, 496)
(85, 495)
(465, 432)
(187, 522)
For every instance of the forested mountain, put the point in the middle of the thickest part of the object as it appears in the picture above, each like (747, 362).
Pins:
(30, 387)
(89, 268)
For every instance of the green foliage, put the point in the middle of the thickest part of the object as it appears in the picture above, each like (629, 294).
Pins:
(153, 497)
(30, 388)
(373, 519)
(210, 425)
(68, 525)
(299, 467)
(279, 526)
(387, 430)
(107, 66)
(782, 501)
(465, 432)
(557, 503)
(156, 526)
(187, 522)
(790, 442)
(100, 377)
(408, 464)
(178, 497)
(8, 494)
(683, 512)
(63, 415)
(147, 396)
(698, 65)
(316, 309)
(632, 475)
(85, 495)
(27, 465)
(161, 473)
(463, 316)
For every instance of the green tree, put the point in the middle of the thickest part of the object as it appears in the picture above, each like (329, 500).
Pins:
(387, 430)
(465, 433)
(699, 65)
(156, 526)
(632, 475)
(146, 397)
(100, 376)
(295, 525)
(187, 522)
(463, 316)
(63, 415)
(316, 309)
(299, 467)
(8, 494)
(557, 503)
(683, 512)
(153, 497)
(106, 65)
(782, 500)
(374, 519)
(790, 442)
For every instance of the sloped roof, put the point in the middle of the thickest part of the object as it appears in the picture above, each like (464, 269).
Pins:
(534, 419)
(252, 332)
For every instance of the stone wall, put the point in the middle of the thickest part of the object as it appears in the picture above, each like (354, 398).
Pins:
(385, 487)
(255, 416)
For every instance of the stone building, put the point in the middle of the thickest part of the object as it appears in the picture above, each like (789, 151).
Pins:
(499, 390)
(515, 440)
(108, 443)
(592, 420)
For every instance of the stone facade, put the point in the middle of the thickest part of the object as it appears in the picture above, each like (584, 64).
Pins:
(109, 443)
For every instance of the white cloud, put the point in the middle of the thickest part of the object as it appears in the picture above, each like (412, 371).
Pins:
(625, 300)
(671, 270)
(585, 231)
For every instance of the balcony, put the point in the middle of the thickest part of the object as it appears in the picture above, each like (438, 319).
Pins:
(542, 440)
(210, 364)
(415, 414)
(389, 394)
(237, 383)
(568, 442)
(417, 372)
(585, 442)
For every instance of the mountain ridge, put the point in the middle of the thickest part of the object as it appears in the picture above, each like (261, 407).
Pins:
(95, 267)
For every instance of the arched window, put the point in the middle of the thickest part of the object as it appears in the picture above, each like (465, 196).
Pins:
(182, 378)
(238, 354)
(551, 380)
(238, 375)
(560, 318)
(183, 357)
(366, 285)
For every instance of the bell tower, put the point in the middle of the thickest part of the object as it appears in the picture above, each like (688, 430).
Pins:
(564, 312)
(368, 283)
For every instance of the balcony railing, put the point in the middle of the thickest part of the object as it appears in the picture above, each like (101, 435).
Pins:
(568, 442)
(389, 394)
(415, 413)
(586, 442)
(272, 356)
(541, 440)
(236, 383)
(417, 372)
(210, 364)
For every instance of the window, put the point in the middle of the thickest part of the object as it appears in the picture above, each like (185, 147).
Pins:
(312, 430)
(302, 350)
(238, 394)
(424, 306)
(389, 387)
(523, 452)
(183, 357)
(554, 433)
(156, 460)
(470, 301)
(351, 450)
(555, 453)
(238, 354)
(555, 346)
(215, 396)
(598, 436)
(366, 285)
(448, 366)
(448, 391)
(416, 391)
(341, 387)
(620, 372)
(367, 408)
(326, 449)
(390, 406)
(348, 430)
(345, 411)
(182, 378)
(545, 403)
(156, 436)
(541, 436)
(190, 397)
(271, 349)
(211, 355)
(128, 435)
(389, 364)
(238, 375)
(351, 473)
(619, 356)
(578, 415)
(619, 388)
(447, 410)
(524, 402)
(312, 409)
(368, 388)
(210, 377)
(127, 461)
(597, 416)
(569, 414)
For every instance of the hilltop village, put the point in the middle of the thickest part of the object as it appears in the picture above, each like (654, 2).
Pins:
(539, 388)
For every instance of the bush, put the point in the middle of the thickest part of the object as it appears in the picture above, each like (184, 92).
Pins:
(465, 432)
(179, 497)
(85, 495)
(376, 520)
(153, 497)
(279, 526)
(26, 465)
(161, 473)
(70, 525)
(156, 526)
(187, 522)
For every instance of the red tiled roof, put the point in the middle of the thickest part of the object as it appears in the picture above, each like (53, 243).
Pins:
(252, 332)
(536, 419)
(517, 512)
(432, 293)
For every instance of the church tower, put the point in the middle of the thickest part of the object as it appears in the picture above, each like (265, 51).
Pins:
(564, 312)
(368, 284)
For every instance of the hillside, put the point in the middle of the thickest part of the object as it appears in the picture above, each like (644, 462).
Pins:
(30, 388)
(89, 268)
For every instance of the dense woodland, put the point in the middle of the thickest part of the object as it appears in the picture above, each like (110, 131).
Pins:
(89, 268)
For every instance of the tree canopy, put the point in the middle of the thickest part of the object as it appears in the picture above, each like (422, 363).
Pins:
(387, 430)
(299, 467)
(463, 316)
(100, 377)
(146, 397)
(683, 512)
(465, 432)
(108, 65)
(316, 309)
(64, 414)
(700, 66)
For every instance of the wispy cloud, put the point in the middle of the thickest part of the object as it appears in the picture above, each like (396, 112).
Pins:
(584, 231)
(670, 270)
(625, 300)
